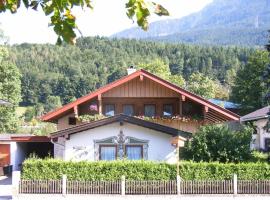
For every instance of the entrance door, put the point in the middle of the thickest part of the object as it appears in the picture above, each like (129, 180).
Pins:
(267, 145)
(4, 154)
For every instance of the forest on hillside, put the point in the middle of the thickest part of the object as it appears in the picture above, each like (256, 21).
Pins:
(69, 72)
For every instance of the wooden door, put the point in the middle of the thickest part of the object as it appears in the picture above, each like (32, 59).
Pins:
(267, 144)
(4, 154)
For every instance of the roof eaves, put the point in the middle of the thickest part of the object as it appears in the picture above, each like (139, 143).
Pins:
(254, 118)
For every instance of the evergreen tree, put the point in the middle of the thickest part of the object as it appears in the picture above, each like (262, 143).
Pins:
(249, 88)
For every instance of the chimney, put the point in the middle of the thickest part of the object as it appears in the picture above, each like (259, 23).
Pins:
(131, 70)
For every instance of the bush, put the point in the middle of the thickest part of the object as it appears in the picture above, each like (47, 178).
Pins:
(218, 143)
(257, 156)
(141, 170)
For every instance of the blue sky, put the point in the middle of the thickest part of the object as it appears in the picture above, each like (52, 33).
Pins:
(108, 17)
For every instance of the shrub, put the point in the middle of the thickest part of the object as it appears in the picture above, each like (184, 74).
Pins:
(141, 170)
(257, 156)
(218, 143)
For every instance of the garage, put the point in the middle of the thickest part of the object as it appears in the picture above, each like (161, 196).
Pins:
(15, 148)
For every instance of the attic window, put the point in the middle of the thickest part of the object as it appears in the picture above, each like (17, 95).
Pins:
(72, 121)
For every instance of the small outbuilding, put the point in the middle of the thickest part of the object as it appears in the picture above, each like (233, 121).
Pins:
(15, 148)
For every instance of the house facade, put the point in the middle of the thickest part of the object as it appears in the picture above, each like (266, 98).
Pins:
(261, 134)
(147, 112)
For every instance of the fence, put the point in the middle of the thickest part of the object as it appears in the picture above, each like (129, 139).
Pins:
(128, 187)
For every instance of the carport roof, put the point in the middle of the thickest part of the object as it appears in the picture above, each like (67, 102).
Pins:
(23, 138)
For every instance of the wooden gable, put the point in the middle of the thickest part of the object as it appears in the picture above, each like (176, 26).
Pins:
(141, 88)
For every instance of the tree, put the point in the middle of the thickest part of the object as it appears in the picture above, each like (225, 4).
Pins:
(249, 88)
(64, 22)
(161, 69)
(52, 103)
(202, 85)
(218, 143)
(266, 76)
(10, 90)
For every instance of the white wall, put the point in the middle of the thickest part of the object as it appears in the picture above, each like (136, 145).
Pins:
(17, 154)
(261, 133)
(159, 149)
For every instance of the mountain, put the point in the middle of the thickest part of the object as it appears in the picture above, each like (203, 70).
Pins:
(225, 22)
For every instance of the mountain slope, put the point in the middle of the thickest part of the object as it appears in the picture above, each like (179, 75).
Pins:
(240, 22)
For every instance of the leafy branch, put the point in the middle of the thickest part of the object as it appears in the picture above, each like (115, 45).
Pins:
(64, 22)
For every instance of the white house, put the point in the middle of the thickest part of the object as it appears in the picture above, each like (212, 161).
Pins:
(118, 137)
(146, 118)
(261, 135)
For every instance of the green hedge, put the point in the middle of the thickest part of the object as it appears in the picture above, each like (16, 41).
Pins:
(141, 170)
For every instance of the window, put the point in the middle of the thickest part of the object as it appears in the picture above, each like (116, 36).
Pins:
(267, 144)
(128, 110)
(109, 110)
(72, 121)
(134, 152)
(167, 110)
(149, 110)
(107, 152)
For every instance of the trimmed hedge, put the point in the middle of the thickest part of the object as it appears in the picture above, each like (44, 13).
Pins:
(141, 170)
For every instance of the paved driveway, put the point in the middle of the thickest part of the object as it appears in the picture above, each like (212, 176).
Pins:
(5, 187)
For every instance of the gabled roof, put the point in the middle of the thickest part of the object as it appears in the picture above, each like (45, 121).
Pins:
(262, 113)
(56, 113)
(23, 138)
(121, 118)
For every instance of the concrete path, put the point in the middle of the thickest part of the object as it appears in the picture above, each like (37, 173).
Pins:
(142, 197)
(5, 187)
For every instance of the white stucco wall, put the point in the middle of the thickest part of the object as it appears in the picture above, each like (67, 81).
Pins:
(261, 135)
(159, 146)
(17, 154)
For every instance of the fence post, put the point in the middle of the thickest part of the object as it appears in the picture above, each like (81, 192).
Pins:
(16, 177)
(235, 184)
(178, 184)
(123, 185)
(64, 184)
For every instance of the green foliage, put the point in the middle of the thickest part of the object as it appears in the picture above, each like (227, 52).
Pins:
(90, 118)
(52, 102)
(161, 69)
(249, 89)
(219, 143)
(10, 90)
(257, 156)
(141, 170)
(202, 85)
(64, 22)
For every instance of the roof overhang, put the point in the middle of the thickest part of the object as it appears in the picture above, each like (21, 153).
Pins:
(254, 118)
(23, 138)
(120, 118)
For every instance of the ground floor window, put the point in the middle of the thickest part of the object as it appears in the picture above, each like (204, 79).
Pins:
(121, 147)
(134, 152)
(267, 144)
(107, 152)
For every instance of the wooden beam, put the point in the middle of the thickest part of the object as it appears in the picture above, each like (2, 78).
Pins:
(99, 104)
(141, 77)
(206, 109)
(180, 107)
(183, 98)
(75, 108)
